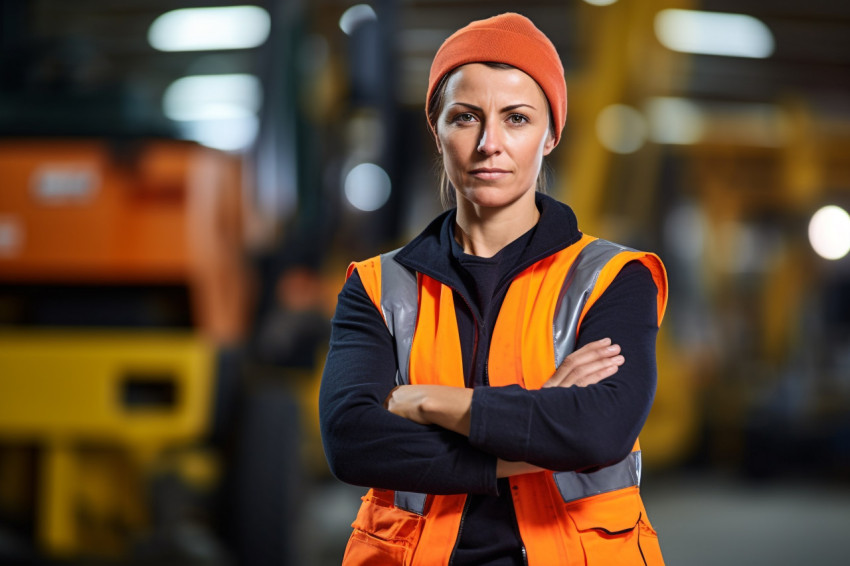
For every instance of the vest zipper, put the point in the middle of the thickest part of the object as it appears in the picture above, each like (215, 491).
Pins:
(516, 529)
(476, 326)
(459, 530)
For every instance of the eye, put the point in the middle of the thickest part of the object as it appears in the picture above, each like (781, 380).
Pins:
(517, 119)
(464, 117)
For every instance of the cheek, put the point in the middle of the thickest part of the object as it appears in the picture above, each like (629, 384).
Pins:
(536, 150)
(444, 144)
(451, 152)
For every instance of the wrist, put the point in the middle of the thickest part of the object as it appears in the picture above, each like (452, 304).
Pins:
(448, 407)
(426, 408)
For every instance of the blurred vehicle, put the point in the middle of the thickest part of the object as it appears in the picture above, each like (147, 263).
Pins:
(123, 301)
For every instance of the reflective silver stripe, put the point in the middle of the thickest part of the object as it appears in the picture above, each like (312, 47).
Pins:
(410, 501)
(399, 294)
(576, 485)
(578, 284)
(399, 305)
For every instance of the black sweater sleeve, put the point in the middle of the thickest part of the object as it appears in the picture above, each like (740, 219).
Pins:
(366, 444)
(576, 428)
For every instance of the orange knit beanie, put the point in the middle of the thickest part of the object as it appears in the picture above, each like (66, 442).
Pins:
(511, 39)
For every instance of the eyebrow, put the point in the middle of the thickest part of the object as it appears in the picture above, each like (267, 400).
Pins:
(505, 109)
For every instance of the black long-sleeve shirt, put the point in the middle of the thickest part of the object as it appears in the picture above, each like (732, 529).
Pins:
(571, 428)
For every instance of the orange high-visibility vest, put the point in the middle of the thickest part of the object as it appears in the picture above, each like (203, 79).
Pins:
(564, 518)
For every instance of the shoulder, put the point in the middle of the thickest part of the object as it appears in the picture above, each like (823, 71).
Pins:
(640, 280)
(611, 259)
(626, 274)
(634, 275)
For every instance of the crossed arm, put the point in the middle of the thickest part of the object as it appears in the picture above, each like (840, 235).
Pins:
(474, 436)
(450, 407)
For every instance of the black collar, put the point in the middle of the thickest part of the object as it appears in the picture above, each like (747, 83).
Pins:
(430, 252)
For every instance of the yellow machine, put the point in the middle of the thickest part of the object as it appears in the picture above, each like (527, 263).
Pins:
(120, 279)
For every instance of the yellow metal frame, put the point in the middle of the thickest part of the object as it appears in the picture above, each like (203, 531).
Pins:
(62, 390)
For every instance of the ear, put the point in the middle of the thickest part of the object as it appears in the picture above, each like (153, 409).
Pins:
(437, 141)
(549, 144)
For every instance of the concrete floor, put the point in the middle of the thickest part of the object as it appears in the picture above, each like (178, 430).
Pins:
(702, 519)
(712, 519)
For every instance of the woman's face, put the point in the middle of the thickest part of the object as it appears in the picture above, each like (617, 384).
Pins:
(493, 132)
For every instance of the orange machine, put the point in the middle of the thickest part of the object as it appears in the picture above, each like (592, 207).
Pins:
(156, 212)
(103, 407)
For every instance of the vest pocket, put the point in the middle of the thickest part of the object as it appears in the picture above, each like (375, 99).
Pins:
(614, 530)
(383, 534)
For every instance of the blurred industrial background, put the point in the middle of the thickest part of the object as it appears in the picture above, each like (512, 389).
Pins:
(183, 182)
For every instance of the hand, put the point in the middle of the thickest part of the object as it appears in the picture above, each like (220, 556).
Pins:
(588, 365)
(406, 401)
(442, 405)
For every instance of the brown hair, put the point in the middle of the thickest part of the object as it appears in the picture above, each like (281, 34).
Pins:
(448, 198)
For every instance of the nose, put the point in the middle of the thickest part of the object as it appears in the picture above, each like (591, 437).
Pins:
(490, 142)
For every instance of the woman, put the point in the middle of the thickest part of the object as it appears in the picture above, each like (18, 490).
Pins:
(488, 380)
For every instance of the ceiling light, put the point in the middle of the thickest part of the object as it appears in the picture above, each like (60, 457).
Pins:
(713, 33)
(218, 111)
(204, 29)
(233, 134)
(212, 97)
(829, 232)
(367, 187)
(355, 16)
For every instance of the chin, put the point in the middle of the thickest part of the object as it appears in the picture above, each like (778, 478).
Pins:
(493, 197)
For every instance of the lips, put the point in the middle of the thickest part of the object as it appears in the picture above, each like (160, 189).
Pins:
(489, 173)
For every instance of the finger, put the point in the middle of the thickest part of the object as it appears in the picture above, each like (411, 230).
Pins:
(592, 373)
(591, 346)
(592, 351)
(565, 377)
(593, 377)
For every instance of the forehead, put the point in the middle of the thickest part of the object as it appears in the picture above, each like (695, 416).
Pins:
(480, 81)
